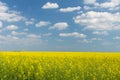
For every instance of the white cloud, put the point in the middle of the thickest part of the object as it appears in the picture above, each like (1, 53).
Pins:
(47, 34)
(60, 26)
(117, 38)
(50, 5)
(99, 20)
(86, 41)
(96, 39)
(3, 7)
(15, 38)
(26, 41)
(33, 36)
(42, 23)
(9, 15)
(86, 7)
(110, 4)
(29, 22)
(8, 37)
(70, 9)
(11, 27)
(18, 33)
(89, 1)
(90, 40)
(1, 37)
(100, 32)
(59, 40)
(73, 34)
(1, 24)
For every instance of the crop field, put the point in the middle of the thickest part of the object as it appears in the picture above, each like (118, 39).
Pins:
(59, 66)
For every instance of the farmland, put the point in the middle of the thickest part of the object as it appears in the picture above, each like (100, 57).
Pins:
(59, 66)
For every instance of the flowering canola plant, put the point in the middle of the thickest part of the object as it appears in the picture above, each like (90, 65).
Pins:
(59, 66)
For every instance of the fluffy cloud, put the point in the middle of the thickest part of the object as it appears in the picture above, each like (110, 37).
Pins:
(47, 34)
(1, 24)
(70, 9)
(86, 41)
(100, 32)
(96, 39)
(1, 37)
(50, 5)
(3, 7)
(11, 27)
(110, 4)
(89, 1)
(99, 20)
(15, 41)
(86, 8)
(9, 15)
(29, 22)
(60, 26)
(33, 36)
(117, 38)
(73, 34)
(42, 23)
(8, 37)
(18, 33)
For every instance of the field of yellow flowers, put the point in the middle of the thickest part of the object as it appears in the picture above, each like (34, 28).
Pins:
(59, 66)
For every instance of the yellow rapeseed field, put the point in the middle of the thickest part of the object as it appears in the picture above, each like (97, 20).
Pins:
(59, 66)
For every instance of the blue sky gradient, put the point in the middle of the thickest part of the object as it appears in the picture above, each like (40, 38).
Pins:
(60, 25)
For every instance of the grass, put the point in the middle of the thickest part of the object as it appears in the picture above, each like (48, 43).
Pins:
(59, 66)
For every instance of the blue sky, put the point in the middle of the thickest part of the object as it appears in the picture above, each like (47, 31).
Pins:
(60, 25)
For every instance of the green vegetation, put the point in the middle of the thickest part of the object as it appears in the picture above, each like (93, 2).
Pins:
(19, 67)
